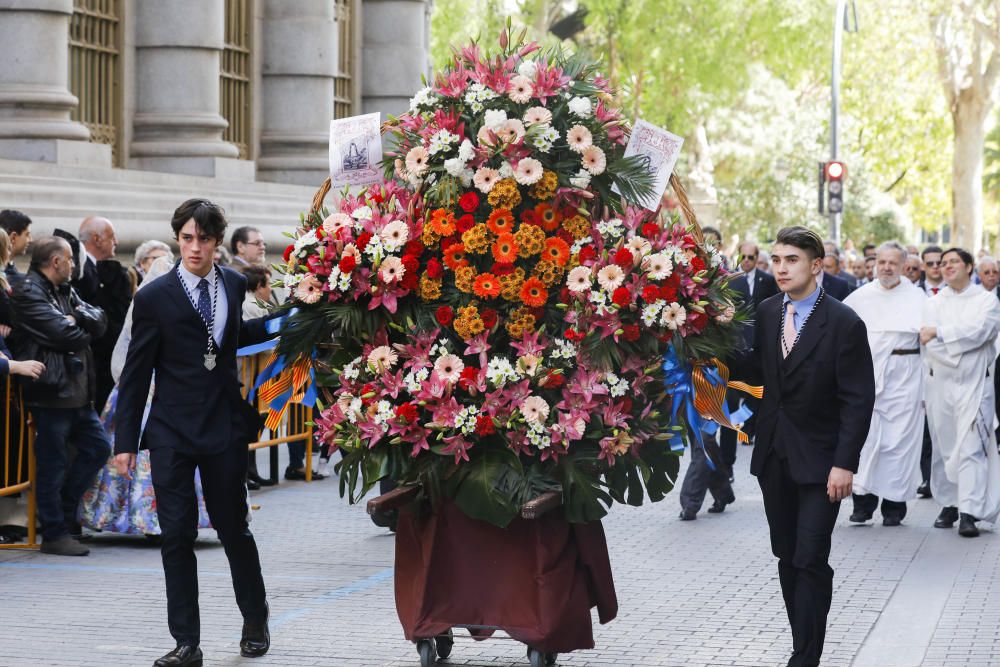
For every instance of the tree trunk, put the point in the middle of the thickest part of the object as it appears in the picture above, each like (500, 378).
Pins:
(969, 121)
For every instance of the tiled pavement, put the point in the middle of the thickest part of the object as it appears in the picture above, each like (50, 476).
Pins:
(693, 594)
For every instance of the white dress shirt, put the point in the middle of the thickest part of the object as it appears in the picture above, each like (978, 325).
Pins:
(751, 278)
(221, 306)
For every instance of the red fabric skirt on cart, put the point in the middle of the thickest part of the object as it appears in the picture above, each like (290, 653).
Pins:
(535, 579)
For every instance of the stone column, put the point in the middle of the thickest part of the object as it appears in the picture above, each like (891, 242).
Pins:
(300, 60)
(35, 102)
(177, 126)
(395, 53)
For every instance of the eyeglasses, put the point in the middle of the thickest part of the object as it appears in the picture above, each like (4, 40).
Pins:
(749, 257)
(259, 243)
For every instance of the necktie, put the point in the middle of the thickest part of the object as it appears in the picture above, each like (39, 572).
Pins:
(789, 331)
(934, 290)
(205, 303)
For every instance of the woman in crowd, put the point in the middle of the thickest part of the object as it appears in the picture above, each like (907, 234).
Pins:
(147, 253)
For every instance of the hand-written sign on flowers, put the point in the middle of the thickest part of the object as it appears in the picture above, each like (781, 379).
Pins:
(659, 149)
(355, 151)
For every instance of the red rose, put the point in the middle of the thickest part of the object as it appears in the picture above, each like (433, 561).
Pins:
(434, 268)
(407, 412)
(347, 263)
(621, 297)
(469, 202)
(363, 239)
(413, 248)
(489, 317)
(587, 253)
(650, 230)
(631, 332)
(624, 258)
(288, 252)
(697, 264)
(465, 223)
(484, 425)
(650, 293)
(468, 377)
(444, 315)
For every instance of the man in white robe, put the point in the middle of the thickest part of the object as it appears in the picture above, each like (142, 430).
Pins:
(961, 324)
(891, 309)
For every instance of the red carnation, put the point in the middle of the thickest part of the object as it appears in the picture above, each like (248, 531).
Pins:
(465, 223)
(411, 264)
(668, 293)
(363, 239)
(626, 404)
(410, 281)
(564, 295)
(624, 258)
(621, 297)
(469, 202)
(413, 248)
(697, 264)
(407, 412)
(347, 263)
(650, 230)
(500, 269)
(288, 252)
(697, 320)
(587, 253)
(434, 268)
(468, 377)
(489, 317)
(553, 381)
(650, 293)
(484, 425)
(631, 332)
(565, 236)
(444, 315)
(571, 334)
(528, 217)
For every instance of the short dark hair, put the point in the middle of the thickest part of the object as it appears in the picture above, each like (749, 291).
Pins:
(867, 247)
(802, 238)
(241, 235)
(706, 230)
(965, 255)
(45, 248)
(931, 248)
(209, 217)
(14, 222)
(257, 276)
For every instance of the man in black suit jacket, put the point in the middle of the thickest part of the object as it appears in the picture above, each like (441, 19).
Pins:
(186, 326)
(819, 391)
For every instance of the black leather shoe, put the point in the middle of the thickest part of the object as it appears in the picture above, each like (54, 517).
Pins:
(688, 515)
(967, 526)
(261, 481)
(924, 490)
(184, 655)
(252, 485)
(717, 508)
(256, 637)
(947, 517)
(860, 517)
(892, 520)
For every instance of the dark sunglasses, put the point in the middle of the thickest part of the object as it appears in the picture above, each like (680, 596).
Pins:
(932, 263)
(748, 257)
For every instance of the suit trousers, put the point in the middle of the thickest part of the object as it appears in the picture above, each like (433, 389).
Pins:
(700, 477)
(801, 518)
(223, 483)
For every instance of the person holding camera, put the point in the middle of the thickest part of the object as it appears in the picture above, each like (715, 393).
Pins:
(54, 326)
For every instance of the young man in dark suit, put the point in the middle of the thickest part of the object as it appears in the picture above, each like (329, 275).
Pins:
(812, 354)
(186, 326)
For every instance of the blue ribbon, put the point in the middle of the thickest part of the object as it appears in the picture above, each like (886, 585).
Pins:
(272, 326)
(680, 388)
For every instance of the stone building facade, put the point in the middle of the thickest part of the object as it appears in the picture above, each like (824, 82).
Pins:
(124, 108)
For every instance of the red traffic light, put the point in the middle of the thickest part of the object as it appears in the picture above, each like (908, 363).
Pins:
(835, 171)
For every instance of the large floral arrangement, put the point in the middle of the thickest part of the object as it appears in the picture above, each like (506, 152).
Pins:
(491, 321)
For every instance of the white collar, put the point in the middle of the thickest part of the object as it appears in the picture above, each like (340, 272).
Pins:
(192, 280)
(92, 259)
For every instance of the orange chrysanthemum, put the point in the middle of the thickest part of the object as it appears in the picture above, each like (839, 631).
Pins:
(533, 293)
(443, 222)
(556, 251)
(547, 217)
(486, 286)
(505, 249)
(501, 221)
(454, 256)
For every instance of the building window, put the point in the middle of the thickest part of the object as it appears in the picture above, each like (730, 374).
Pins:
(345, 83)
(95, 70)
(234, 80)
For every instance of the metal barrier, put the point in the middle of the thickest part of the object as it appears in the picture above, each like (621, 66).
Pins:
(18, 450)
(296, 425)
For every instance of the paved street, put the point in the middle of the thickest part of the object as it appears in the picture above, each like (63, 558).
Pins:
(700, 593)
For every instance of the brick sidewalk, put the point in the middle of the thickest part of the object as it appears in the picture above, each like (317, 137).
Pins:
(691, 594)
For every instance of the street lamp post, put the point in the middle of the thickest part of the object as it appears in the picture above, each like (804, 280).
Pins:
(841, 22)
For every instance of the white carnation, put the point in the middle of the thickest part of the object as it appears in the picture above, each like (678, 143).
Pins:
(580, 106)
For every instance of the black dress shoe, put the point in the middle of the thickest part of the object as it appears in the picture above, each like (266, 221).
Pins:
(924, 490)
(184, 655)
(256, 637)
(947, 517)
(688, 515)
(967, 526)
(860, 517)
(892, 520)
(717, 508)
(262, 481)
(252, 485)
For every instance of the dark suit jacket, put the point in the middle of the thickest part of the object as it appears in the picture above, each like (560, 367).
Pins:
(764, 287)
(852, 282)
(818, 401)
(194, 410)
(835, 287)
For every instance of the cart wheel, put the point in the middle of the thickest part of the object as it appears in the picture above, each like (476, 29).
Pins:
(536, 658)
(425, 647)
(444, 644)
(550, 658)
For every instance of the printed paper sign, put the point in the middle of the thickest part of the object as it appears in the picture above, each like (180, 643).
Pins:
(355, 150)
(659, 150)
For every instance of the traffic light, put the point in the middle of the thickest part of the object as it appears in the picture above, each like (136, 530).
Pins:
(834, 174)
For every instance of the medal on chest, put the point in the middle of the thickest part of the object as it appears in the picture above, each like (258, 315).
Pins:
(209, 322)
